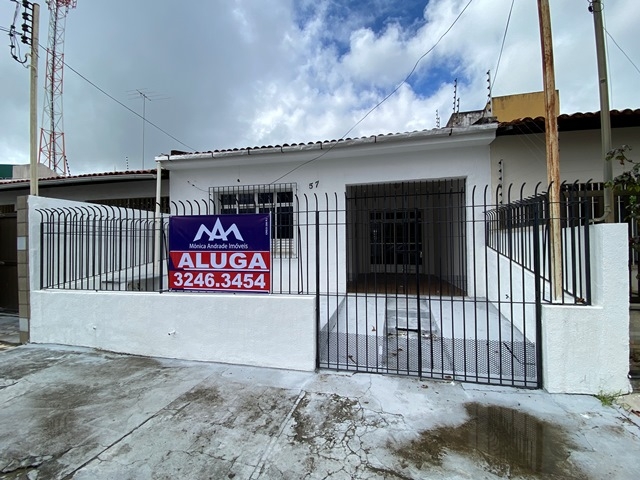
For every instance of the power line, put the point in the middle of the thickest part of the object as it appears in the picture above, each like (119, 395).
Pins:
(115, 99)
(504, 37)
(623, 52)
(124, 106)
(415, 66)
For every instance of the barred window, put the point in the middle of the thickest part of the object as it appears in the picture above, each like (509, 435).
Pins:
(277, 199)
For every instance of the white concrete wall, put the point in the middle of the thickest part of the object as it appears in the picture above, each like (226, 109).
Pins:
(433, 157)
(262, 330)
(586, 349)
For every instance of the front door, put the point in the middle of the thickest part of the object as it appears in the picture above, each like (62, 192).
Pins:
(396, 241)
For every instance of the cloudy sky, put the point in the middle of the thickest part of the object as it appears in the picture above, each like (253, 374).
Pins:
(236, 73)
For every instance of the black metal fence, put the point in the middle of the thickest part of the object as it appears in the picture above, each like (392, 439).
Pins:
(425, 278)
(418, 291)
(521, 225)
(102, 248)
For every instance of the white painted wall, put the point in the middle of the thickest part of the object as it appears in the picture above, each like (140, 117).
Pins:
(435, 156)
(262, 330)
(524, 158)
(586, 349)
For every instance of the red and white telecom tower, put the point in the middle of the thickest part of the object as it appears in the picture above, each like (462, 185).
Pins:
(52, 151)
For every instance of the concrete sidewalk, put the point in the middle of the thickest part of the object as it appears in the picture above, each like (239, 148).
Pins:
(82, 414)
(9, 330)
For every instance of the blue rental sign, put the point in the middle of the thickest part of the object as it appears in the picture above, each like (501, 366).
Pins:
(220, 253)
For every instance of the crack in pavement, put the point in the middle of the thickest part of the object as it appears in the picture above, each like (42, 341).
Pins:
(265, 455)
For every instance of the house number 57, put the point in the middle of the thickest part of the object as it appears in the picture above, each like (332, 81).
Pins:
(313, 185)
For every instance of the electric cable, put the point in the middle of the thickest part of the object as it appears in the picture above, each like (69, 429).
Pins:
(113, 98)
(415, 66)
(623, 52)
(124, 106)
(504, 37)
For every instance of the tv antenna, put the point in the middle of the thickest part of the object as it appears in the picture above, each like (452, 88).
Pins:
(146, 96)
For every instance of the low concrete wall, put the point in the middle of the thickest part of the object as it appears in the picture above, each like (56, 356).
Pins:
(264, 330)
(586, 349)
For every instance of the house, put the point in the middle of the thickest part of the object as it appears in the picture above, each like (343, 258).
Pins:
(391, 177)
(518, 162)
(389, 254)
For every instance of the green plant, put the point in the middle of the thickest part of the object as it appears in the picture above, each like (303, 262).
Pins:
(627, 183)
(607, 399)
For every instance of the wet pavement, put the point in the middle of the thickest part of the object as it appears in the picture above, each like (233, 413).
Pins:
(9, 330)
(85, 414)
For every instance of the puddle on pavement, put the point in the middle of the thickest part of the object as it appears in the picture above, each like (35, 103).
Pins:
(509, 441)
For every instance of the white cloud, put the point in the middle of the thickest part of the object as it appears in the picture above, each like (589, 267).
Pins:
(245, 73)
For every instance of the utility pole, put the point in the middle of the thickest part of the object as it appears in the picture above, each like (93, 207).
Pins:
(144, 120)
(605, 120)
(553, 153)
(30, 29)
(33, 107)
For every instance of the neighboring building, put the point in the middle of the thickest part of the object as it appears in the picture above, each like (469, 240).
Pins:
(135, 189)
(131, 189)
(518, 153)
(21, 172)
(504, 109)
(522, 105)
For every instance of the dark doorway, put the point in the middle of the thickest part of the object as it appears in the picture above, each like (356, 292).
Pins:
(407, 237)
(8, 263)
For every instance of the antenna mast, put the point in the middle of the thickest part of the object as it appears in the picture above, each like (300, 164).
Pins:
(52, 151)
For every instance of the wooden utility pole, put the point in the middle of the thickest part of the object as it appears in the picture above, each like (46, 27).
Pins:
(553, 153)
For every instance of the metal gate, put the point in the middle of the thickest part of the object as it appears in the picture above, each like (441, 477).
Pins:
(438, 282)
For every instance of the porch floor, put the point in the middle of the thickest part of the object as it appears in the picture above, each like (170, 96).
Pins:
(449, 338)
(402, 283)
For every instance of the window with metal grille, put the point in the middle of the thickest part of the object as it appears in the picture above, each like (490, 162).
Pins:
(7, 208)
(277, 199)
